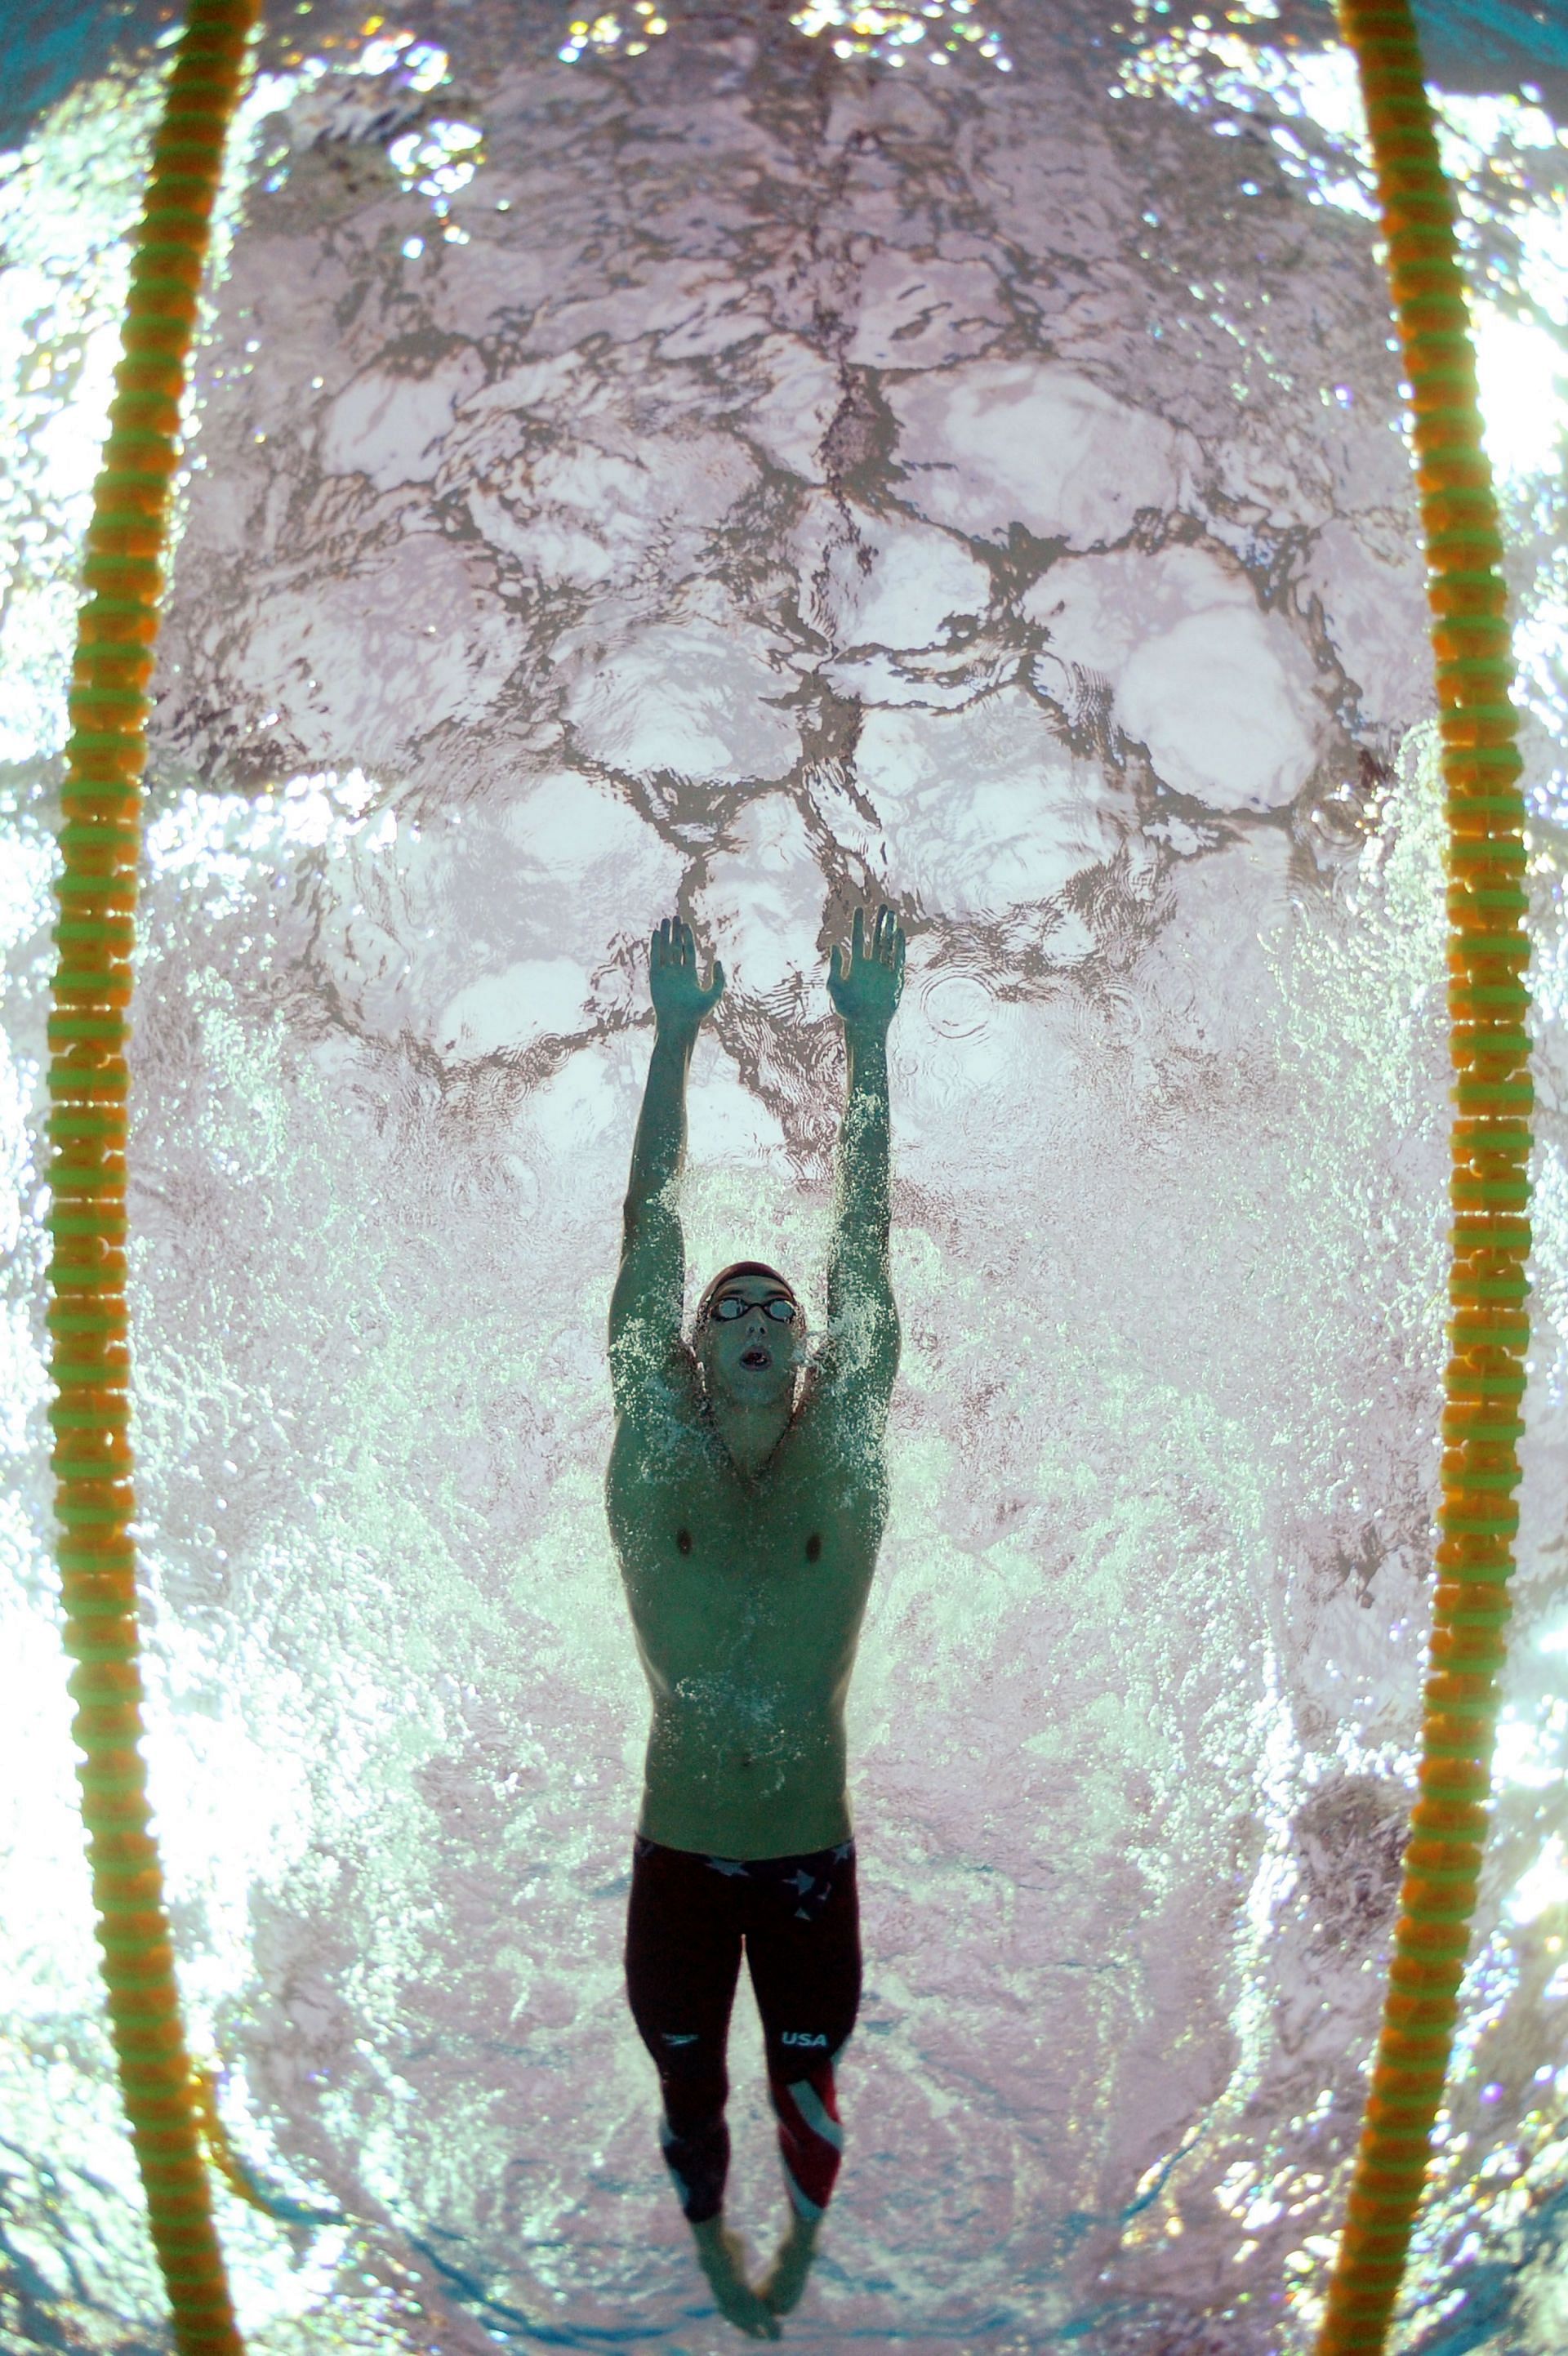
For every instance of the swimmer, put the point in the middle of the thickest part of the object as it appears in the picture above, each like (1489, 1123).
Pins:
(747, 1496)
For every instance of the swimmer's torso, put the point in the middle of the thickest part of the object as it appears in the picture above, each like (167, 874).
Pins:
(746, 1597)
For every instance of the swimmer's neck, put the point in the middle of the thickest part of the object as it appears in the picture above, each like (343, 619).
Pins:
(750, 1434)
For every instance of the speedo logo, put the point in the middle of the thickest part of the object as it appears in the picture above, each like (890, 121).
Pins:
(802, 2037)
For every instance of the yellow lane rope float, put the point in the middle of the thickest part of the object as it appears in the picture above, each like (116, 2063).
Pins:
(1489, 1330)
(101, 839)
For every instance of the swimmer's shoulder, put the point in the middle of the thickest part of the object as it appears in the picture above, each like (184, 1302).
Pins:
(840, 1435)
(661, 1433)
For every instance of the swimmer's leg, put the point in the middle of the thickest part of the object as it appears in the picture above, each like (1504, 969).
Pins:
(682, 1959)
(810, 2137)
(806, 1969)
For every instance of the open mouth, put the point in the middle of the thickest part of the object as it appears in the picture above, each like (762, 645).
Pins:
(755, 1356)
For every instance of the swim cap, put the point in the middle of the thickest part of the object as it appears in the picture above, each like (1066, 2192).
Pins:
(743, 1267)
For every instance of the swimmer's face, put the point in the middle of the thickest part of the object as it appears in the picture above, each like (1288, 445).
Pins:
(749, 1353)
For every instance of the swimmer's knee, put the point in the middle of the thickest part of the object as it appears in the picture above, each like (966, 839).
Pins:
(801, 2053)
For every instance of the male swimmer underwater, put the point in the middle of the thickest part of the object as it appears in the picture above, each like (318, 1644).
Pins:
(747, 1494)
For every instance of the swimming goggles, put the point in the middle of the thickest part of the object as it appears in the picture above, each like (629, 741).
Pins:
(730, 1306)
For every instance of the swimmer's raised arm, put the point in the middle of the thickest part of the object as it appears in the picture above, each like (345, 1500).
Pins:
(864, 984)
(646, 1305)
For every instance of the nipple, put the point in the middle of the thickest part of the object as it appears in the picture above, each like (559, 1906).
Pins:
(813, 1548)
(683, 1540)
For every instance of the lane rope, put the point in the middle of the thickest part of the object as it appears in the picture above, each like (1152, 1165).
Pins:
(1488, 1329)
(100, 843)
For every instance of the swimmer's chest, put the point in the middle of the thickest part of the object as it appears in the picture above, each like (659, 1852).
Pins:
(688, 1526)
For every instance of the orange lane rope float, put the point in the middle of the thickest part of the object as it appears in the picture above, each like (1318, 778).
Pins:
(101, 839)
(1489, 1331)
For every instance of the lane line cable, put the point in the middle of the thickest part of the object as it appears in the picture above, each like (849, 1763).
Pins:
(1489, 1328)
(101, 844)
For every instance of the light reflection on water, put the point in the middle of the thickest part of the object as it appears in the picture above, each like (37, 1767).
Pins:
(743, 472)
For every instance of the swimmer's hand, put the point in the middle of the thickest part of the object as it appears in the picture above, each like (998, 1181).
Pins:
(865, 983)
(680, 1000)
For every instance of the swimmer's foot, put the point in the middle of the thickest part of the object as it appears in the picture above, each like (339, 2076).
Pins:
(781, 2286)
(722, 2256)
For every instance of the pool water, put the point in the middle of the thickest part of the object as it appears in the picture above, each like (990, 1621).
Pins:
(754, 465)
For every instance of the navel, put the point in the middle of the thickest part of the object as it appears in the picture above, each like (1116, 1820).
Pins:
(683, 1540)
(813, 1548)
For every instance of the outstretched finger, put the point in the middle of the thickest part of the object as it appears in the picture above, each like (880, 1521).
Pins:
(716, 979)
(858, 949)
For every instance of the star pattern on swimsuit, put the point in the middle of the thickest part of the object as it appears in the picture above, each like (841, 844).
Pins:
(730, 1865)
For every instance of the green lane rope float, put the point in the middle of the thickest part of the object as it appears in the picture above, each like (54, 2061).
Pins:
(100, 848)
(1489, 1187)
